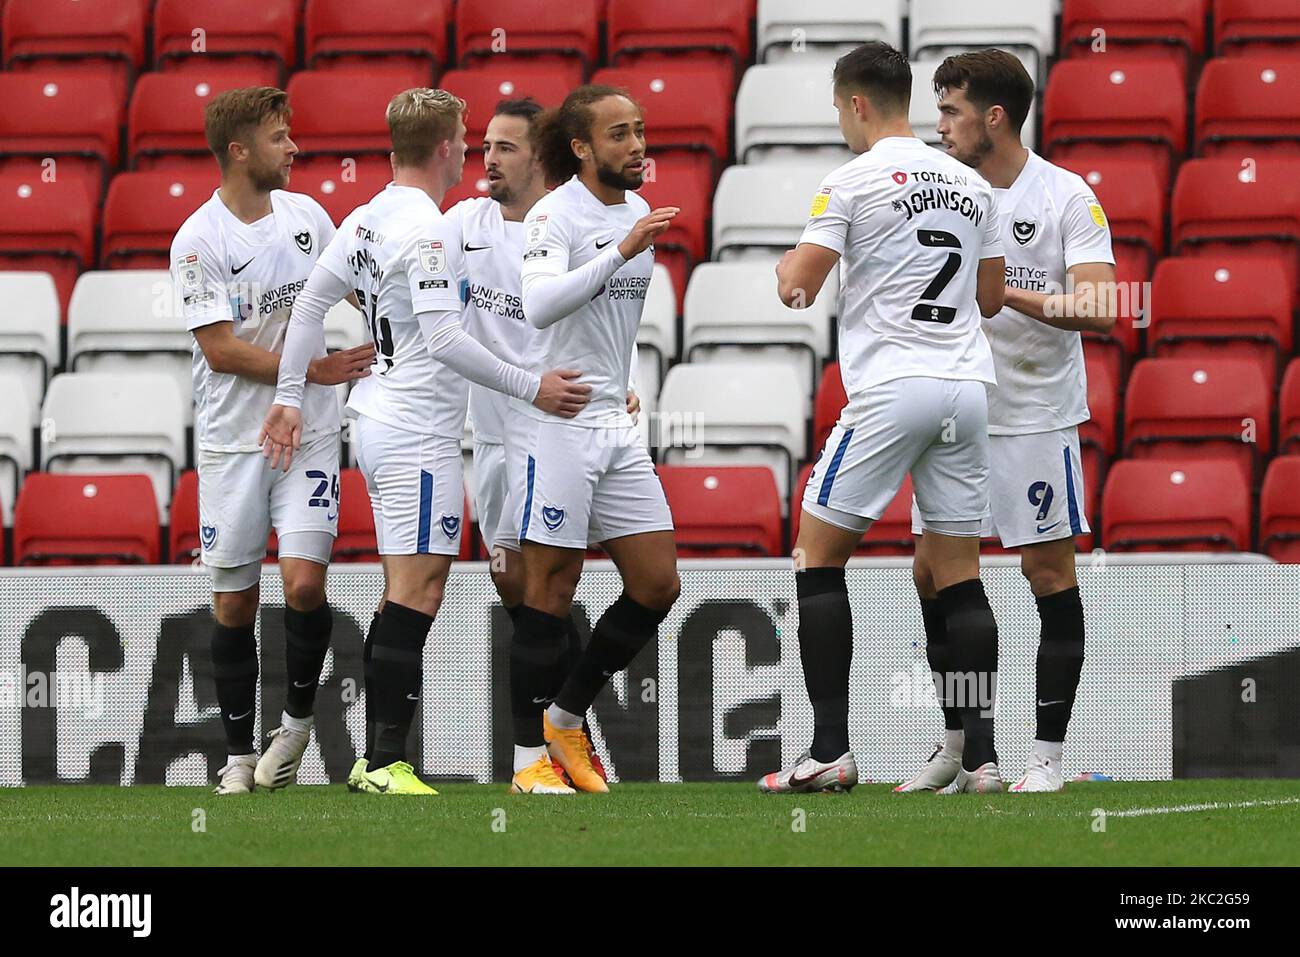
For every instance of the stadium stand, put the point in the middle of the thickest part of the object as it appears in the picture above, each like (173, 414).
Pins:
(1176, 506)
(47, 227)
(723, 512)
(15, 443)
(143, 211)
(29, 334)
(1164, 30)
(165, 120)
(563, 37)
(86, 520)
(100, 42)
(798, 30)
(232, 35)
(486, 86)
(1246, 27)
(1248, 106)
(406, 38)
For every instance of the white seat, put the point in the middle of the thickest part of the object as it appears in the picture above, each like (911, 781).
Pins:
(733, 414)
(657, 334)
(106, 422)
(735, 304)
(344, 327)
(939, 27)
(29, 334)
(15, 443)
(825, 29)
(785, 113)
(123, 321)
(761, 210)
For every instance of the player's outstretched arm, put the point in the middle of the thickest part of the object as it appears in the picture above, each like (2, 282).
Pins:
(1087, 305)
(802, 272)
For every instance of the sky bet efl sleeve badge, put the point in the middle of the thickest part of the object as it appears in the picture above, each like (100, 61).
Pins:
(1098, 216)
(536, 231)
(820, 201)
(432, 257)
(190, 271)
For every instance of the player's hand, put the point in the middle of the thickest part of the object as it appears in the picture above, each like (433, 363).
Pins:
(280, 435)
(560, 395)
(342, 366)
(638, 240)
(633, 404)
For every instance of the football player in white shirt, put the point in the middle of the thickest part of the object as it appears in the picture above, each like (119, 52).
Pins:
(1059, 257)
(491, 232)
(917, 232)
(588, 256)
(404, 264)
(237, 263)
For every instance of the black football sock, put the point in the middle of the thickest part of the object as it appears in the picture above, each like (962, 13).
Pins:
(826, 650)
(366, 649)
(537, 669)
(234, 668)
(571, 655)
(1060, 661)
(936, 652)
(973, 664)
(395, 664)
(306, 639)
(624, 629)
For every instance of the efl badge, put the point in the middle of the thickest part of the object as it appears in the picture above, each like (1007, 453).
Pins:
(190, 271)
(433, 259)
(820, 201)
(536, 230)
(1098, 216)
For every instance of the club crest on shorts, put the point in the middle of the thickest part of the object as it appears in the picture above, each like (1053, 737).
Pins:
(1023, 230)
(552, 516)
(303, 241)
(208, 535)
(451, 525)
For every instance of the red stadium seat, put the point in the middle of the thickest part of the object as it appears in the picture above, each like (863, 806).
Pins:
(717, 36)
(1279, 510)
(1226, 206)
(721, 511)
(482, 89)
(338, 190)
(1237, 307)
(1128, 108)
(342, 114)
(1176, 506)
(1153, 29)
(1103, 408)
(48, 227)
(1195, 409)
(102, 42)
(542, 31)
(86, 520)
(66, 118)
(1248, 107)
(890, 535)
(685, 108)
(828, 404)
(143, 212)
(356, 541)
(409, 38)
(165, 119)
(1288, 425)
(674, 180)
(235, 34)
(1247, 27)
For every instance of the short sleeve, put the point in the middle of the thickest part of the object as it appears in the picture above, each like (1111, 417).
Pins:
(1085, 233)
(197, 278)
(334, 256)
(434, 265)
(829, 216)
(546, 243)
(991, 234)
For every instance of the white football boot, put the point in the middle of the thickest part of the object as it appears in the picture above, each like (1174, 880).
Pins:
(237, 776)
(807, 775)
(983, 780)
(936, 774)
(279, 765)
(1042, 776)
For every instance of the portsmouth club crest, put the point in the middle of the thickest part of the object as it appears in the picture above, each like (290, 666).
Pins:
(303, 241)
(553, 516)
(1024, 230)
(451, 526)
(208, 536)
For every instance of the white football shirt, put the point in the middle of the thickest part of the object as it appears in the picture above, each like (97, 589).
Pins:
(911, 225)
(493, 313)
(1050, 221)
(567, 228)
(401, 259)
(226, 270)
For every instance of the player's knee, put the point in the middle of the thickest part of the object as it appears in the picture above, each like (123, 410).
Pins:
(922, 578)
(660, 591)
(235, 609)
(1046, 577)
(304, 592)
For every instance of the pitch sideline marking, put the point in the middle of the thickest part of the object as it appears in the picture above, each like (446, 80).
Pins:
(1192, 808)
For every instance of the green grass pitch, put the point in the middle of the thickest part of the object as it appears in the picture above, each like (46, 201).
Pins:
(648, 824)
